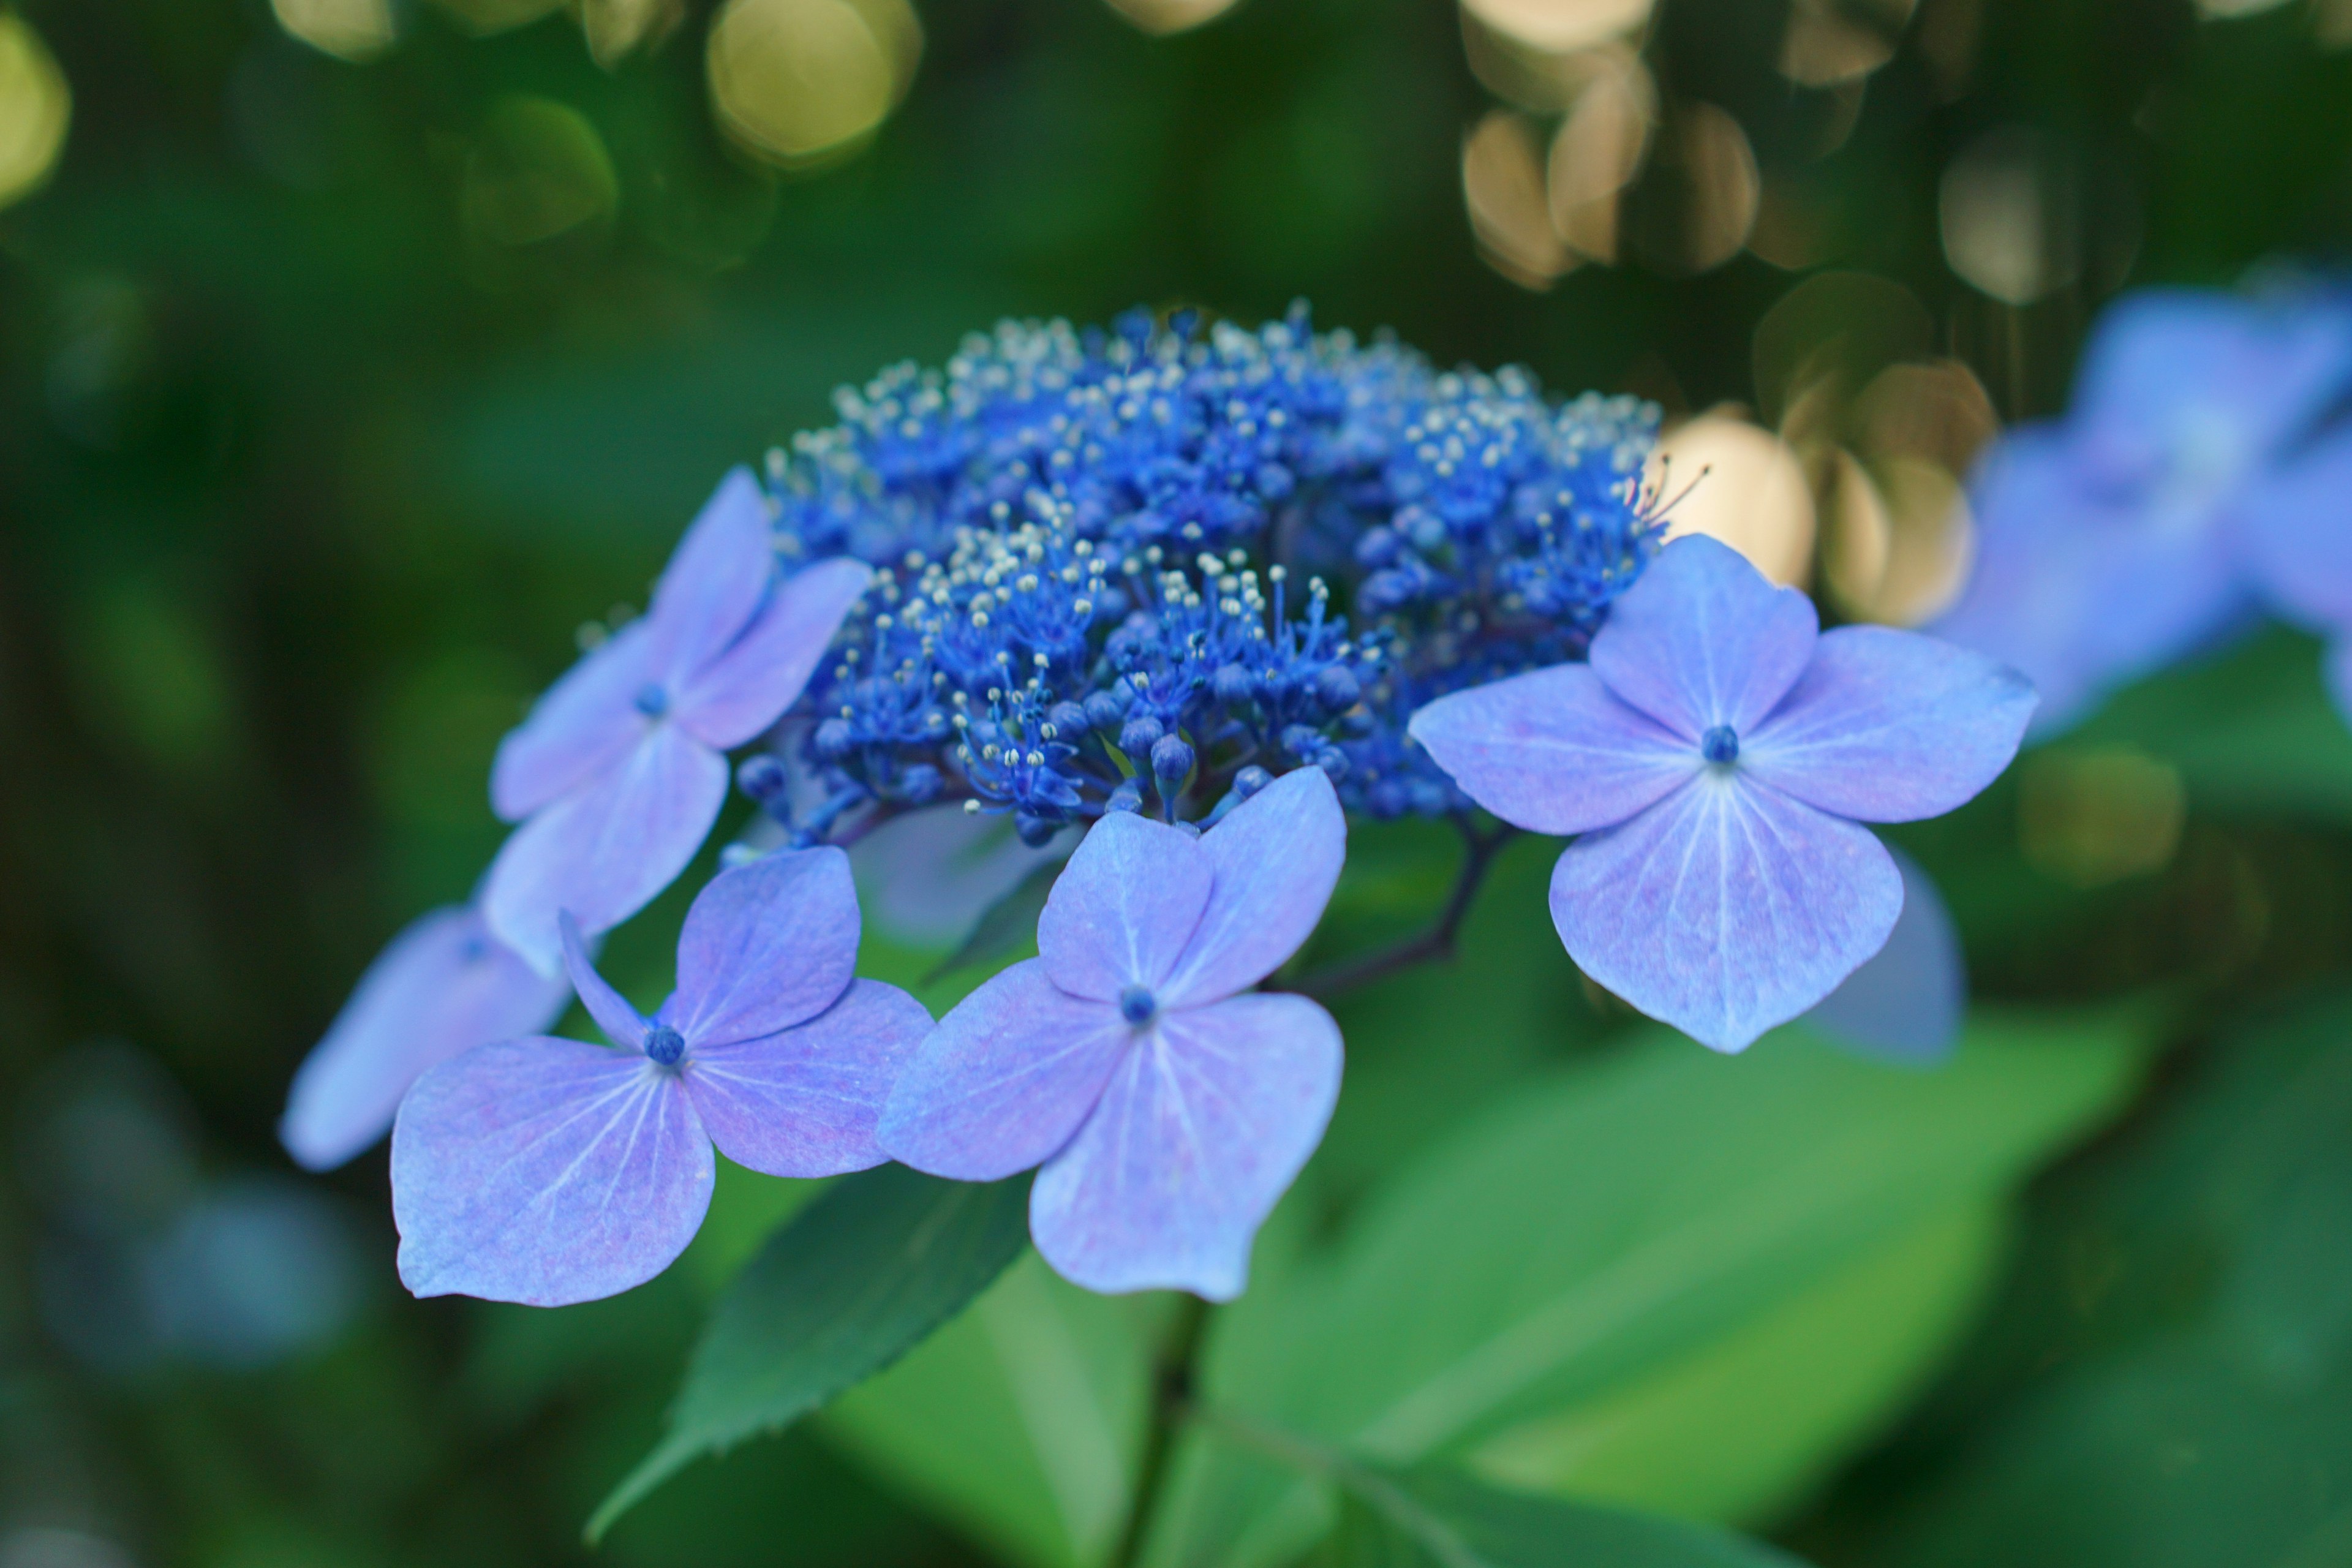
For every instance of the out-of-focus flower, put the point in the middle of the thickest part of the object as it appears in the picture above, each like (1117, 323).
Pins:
(2189, 483)
(1169, 1110)
(444, 985)
(1715, 755)
(619, 769)
(547, 1171)
(1906, 1001)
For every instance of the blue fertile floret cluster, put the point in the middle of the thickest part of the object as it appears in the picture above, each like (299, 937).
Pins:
(1150, 568)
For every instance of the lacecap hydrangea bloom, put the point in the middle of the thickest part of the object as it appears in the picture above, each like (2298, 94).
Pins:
(2202, 474)
(1184, 588)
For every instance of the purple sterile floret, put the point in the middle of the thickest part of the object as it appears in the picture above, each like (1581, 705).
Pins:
(547, 1171)
(2146, 523)
(1715, 755)
(619, 771)
(1169, 1112)
(445, 984)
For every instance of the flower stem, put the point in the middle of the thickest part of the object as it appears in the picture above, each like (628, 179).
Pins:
(1436, 942)
(1171, 1398)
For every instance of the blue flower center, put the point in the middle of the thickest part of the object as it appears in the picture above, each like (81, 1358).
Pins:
(652, 700)
(665, 1046)
(1136, 1004)
(1720, 745)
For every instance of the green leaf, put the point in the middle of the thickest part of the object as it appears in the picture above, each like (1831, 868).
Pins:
(2251, 731)
(1023, 1422)
(850, 1285)
(1005, 927)
(1599, 1228)
(1431, 1516)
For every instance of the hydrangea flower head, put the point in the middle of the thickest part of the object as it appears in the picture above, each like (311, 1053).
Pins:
(2170, 502)
(619, 769)
(1168, 1106)
(445, 984)
(547, 1171)
(1715, 755)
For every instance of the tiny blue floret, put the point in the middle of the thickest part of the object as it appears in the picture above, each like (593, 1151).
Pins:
(1135, 1004)
(1720, 745)
(665, 1046)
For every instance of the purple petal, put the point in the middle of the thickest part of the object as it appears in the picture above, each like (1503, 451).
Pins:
(766, 945)
(1204, 1126)
(1123, 908)
(2297, 524)
(2175, 375)
(1553, 752)
(442, 986)
(581, 726)
(2338, 672)
(1889, 726)
(1276, 856)
(1905, 1004)
(545, 1171)
(1702, 639)
(603, 852)
(714, 582)
(2081, 589)
(1005, 1078)
(805, 1101)
(747, 688)
(1726, 909)
(622, 1023)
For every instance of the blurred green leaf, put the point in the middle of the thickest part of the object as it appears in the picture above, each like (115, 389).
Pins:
(1429, 1517)
(1023, 1422)
(1583, 1237)
(847, 1287)
(2251, 729)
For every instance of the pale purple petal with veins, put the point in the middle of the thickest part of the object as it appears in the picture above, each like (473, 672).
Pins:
(442, 986)
(1553, 752)
(747, 686)
(1124, 907)
(584, 723)
(1005, 1078)
(766, 946)
(717, 577)
(604, 851)
(2297, 520)
(1890, 726)
(1206, 1123)
(1702, 639)
(545, 1171)
(622, 1023)
(1276, 856)
(1905, 1003)
(805, 1101)
(1726, 909)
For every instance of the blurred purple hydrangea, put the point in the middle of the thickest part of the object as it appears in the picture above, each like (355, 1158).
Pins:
(548, 1172)
(1715, 756)
(619, 769)
(444, 985)
(1168, 1108)
(2198, 477)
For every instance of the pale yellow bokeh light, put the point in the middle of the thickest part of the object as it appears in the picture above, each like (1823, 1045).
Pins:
(2224, 10)
(347, 29)
(539, 169)
(1503, 189)
(1560, 25)
(1720, 186)
(2089, 815)
(1598, 151)
(1733, 481)
(796, 80)
(1937, 412)
(36, 106)
(617, 29)
(1897, 542)
(2009, 228)
(1160, 17)
(1833, 41)
(484, 17)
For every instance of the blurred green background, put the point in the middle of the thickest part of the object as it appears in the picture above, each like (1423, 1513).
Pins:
(352, 355)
